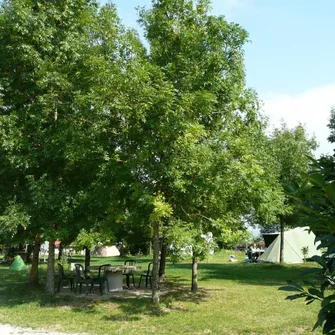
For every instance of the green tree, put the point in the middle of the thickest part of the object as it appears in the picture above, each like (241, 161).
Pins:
(90, 240)
(331, 126)
(62, 70)
(200, 152)
(291, 149)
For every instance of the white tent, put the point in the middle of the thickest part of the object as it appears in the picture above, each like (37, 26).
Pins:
(294, 241)
(108, 251)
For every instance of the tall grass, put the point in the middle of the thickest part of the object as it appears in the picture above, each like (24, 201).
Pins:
(234, 298)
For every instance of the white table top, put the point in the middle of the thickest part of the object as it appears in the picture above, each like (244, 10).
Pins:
(115, 268)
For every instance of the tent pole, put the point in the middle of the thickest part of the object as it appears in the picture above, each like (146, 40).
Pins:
(281, 253)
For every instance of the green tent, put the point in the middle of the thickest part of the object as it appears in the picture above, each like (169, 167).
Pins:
(18, 264)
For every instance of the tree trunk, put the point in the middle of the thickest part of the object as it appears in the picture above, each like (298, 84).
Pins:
(33, 275)
(162, 263)
(29, 251)
(194, 274)
(281, 251)
(87, 258)
(155, 274)
(50, 284)
(60, 251)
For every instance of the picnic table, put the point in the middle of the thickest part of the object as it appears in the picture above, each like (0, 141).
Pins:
(114, 274)
(254, 253)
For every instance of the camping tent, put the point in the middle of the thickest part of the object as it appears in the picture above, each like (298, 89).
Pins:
(269, 238)
(18, 264)
(108, 251)
(294, 241)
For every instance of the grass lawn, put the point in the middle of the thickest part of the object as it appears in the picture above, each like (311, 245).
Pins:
(234, 299)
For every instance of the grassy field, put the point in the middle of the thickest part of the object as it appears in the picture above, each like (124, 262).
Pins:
(234, 299)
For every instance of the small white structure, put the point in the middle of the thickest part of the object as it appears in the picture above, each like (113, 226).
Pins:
(108, 251)
(295, 240)
(209, 240)
(44, 251)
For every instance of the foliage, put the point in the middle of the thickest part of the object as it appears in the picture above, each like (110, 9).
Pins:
(289, 151)
(62, 66)
(161, 209)
(331, 126)
(91, 239)
(206, 162)
(292, 149)
(36, 105)
(187, 241)
(65, 84)
(14, 218)
(230, 238)
(321, 288)
(318, 205)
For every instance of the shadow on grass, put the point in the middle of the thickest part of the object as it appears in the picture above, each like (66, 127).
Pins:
(264, 274)
(15, 291)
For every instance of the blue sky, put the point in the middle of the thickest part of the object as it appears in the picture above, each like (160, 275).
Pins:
(289, 59)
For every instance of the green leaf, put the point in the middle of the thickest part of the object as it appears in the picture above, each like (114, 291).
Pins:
(310, 271)
(316, 292)
(317, 325)
(311, 301)
(329, 325)
(298, 286)
(330, 191)
(295, 296)
(331, 265)
(317, 179)
(289, 289)
(328, 300)
(320, 260)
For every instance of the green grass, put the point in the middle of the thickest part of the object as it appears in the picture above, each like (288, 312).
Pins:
(234, 298)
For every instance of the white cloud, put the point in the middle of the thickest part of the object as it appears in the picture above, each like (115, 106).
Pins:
(311, 108)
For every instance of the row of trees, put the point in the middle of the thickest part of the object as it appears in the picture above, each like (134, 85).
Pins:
(104, 133)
